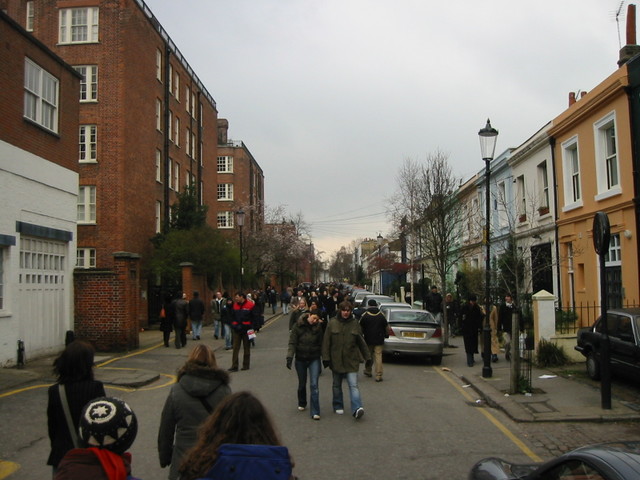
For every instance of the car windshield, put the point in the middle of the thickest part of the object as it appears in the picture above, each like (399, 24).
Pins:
(410, 316)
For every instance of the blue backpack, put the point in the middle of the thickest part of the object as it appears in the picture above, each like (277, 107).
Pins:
(251, 462)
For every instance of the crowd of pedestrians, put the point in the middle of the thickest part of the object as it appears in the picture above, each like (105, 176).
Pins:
(206, 430)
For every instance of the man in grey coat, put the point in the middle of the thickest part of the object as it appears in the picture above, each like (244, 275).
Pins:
(344, 349)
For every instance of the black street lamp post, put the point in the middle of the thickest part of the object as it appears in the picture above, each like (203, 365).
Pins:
(240, 222)
(488, 138)
(379, 238)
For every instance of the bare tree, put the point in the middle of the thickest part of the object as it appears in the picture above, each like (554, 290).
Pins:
(404, 209)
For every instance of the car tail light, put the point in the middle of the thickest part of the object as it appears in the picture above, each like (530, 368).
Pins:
(391, 332)
(437, 333)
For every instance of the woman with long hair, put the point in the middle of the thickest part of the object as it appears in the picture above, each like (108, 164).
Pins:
(239, 419)
(199, 389)
(75, 386)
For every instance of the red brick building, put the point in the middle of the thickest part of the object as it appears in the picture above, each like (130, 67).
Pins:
(147, 127)
(38, 194)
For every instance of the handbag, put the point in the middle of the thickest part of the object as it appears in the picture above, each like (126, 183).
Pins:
(251, 333)
(67, 415)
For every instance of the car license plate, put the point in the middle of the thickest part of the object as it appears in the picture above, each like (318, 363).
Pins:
(413, 334)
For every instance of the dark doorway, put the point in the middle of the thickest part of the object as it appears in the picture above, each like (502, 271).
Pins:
(542, 268)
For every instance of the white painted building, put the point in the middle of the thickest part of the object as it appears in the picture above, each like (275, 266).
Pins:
(37, 253)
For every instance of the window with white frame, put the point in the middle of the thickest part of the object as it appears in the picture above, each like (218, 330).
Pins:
(193, 145)
(225, 219)
(159, 65)
(475, 209)
(158, 114)
(187, 98)
(225, 191)
(30, 16)
(79, 25)
(170, 179)
(607, 172)
(522, 198)
(176, 132)
(158, 216)
(187, 141)
(89, 82)
(193, 179)
(225, 164)
(176, 176)
(158, 166)
(613, 257)
(40, 96)
(543, 181)
(86, 258)
(193, 105)
(170, 78)
(571, 172)
(176, 87)
(88, 151)
(87, 204)
(170, 125)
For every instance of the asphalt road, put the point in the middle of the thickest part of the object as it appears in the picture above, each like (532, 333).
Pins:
(419, 423)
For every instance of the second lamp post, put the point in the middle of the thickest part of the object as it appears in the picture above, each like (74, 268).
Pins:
(488, 138)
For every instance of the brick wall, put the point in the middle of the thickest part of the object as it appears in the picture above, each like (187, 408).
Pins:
(108, 315)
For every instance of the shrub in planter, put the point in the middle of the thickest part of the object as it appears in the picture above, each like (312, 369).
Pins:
(550, 355)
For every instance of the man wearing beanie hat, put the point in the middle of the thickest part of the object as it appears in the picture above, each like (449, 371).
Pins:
(374, 329)
(107, 429)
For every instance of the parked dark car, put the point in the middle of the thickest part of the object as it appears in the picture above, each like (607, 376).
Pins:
(623, 327)
(606, 461)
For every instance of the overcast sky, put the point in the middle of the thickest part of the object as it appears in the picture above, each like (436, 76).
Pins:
(330, 96)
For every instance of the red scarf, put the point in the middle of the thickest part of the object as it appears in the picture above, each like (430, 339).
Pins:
(112, 463)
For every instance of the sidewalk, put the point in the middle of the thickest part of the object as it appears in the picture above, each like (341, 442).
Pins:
(562, 400)
(40, 369)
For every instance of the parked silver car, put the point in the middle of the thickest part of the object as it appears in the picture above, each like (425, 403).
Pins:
(415, 333)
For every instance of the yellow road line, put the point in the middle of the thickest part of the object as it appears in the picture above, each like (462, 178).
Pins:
(519, 443)
(20, 390)
(7, 468)
(133, 354)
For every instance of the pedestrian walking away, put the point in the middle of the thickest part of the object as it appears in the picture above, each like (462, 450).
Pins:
(305, 344)
(472, 317)
(200, 387)
(180, 313)
(75, 386)
(196, 314)
(343, 349)
(166, 320)
(243, 320)
(216, 312)
(107, 430)
(238, 441)
(374, 329)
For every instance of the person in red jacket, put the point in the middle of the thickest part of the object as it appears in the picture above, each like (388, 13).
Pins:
(241, 323)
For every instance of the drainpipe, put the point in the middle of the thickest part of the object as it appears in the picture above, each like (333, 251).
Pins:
(552, 143)
(165, 147)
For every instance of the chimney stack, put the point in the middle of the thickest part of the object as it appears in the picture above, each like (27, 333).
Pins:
(572, 98)
(630, 50)
(223, 130)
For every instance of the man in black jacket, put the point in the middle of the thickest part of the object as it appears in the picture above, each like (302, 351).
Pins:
(374, 329)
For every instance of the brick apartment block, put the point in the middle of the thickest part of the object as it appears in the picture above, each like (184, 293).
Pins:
(147, 127)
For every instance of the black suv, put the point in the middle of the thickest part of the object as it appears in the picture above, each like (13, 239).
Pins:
(623, 327)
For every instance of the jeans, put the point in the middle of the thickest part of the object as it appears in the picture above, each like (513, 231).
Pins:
(216, 328)
(313, 366)
(354, 392)
(228, 338)
(285, 308)
(196, 328)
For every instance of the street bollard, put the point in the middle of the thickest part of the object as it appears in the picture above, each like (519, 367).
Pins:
(20, 354)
